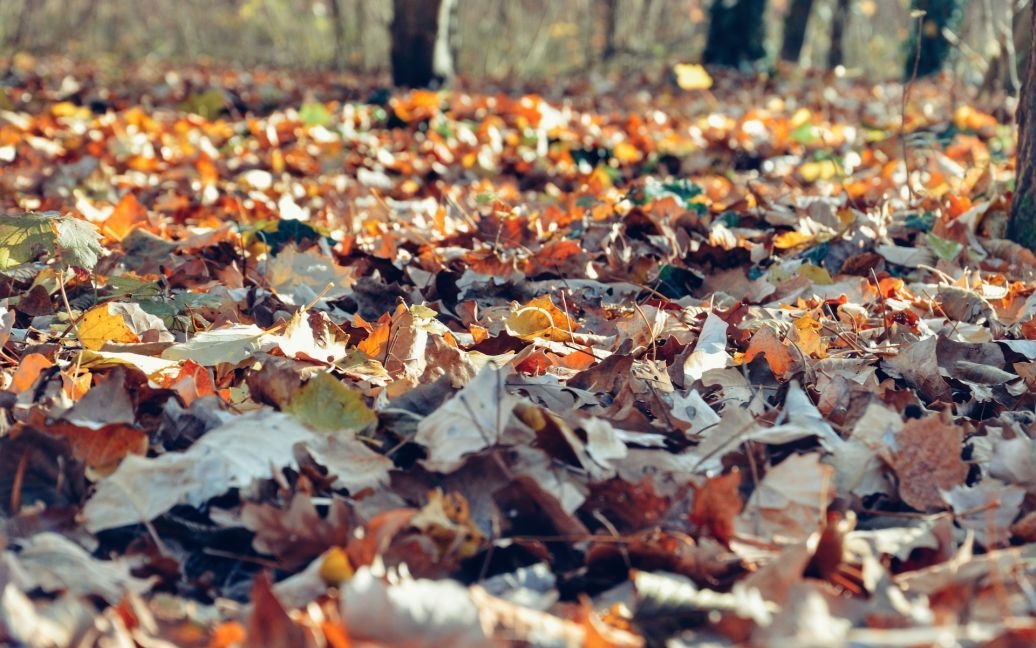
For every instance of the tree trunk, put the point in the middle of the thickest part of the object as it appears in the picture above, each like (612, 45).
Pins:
(1022, 225)
(611, 29)
(929, 49)
(1005, 69)
(737, 33)
(839, 21)
(795, 24)
(420, 31)
(16, 38)
(339, 31)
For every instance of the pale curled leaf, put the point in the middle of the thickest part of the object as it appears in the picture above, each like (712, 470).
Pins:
(233, 455)
(412, 612)
(474, 419)
(710, 351)
(54, 563)
(231, 345)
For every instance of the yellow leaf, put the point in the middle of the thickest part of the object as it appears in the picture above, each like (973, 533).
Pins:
(806, 335)
(820, 170)
(787, 240)
(336, 568)
(967, 118)
(540, 318)
(692, 77)
(626, 153)
(816, 274)
(99, 325)
(69, 109)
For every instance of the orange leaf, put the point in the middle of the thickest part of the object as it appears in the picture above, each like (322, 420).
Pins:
(128, 214)
(227, 635)
(778, 355)
(76, 386)
(716, 504)
(193, 382)
(335, 634)
(102, 449)
(100, 326)
(626, 153)
(375, 343)
(28, 371)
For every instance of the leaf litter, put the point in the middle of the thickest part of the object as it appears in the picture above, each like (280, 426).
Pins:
(707, 363)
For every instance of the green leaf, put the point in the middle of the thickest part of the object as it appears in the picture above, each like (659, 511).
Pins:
(206, 104)
(674, 282)
(32, 236)
(683, 190)
(25, 238)
(315, 114)
(326, 404)
(944, 248)
(804, 134)
(79, 242)
(287, 231)
(923, 222)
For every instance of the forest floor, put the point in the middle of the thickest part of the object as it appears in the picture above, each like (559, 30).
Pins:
(291, 360)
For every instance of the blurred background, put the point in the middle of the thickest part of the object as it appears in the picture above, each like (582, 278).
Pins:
(535, 40)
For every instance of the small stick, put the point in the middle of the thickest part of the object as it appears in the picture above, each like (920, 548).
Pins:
(68, 307)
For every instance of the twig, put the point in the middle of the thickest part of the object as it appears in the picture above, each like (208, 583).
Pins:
(884, 307)
(68, 308)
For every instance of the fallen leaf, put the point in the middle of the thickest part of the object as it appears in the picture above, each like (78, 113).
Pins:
(326, 404)
(927, 460)
(249, 447)
(717, 504)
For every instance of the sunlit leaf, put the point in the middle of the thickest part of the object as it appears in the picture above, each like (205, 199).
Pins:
(327, 404)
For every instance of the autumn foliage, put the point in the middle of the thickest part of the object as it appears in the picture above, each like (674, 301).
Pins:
(286, 363)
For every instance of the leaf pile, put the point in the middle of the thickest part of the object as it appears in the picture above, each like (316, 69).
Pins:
(452, 368)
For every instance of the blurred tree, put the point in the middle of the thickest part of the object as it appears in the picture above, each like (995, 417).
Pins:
(339, 30)
(928, 48)
(611, 29)
(1022, 225)
(737, 33)
(795, 24)
(17, 37)
(1015, 36)
(420, 32)
(839, 21)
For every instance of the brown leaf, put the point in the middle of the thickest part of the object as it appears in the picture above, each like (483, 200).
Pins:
(269, 625)
(717, 504)
(928, 460)
(102, 449)
(297, 534)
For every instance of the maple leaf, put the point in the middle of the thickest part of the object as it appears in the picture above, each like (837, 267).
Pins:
(30, 236)
(927, 460)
